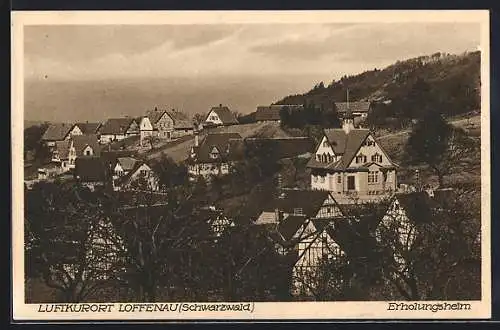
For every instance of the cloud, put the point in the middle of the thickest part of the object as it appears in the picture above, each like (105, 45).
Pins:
(214, 51)
(375, 42)
(83, 43)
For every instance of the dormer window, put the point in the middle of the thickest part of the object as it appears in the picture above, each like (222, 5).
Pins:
(360, 159)
(377, 158)
(214, 154)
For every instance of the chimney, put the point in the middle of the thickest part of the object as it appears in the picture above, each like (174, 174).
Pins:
(417, 180)
(348, 120)
(220, 105)
(196, 138)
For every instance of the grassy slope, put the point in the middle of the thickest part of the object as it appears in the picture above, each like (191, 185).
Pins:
(179, 151)
(394, 145)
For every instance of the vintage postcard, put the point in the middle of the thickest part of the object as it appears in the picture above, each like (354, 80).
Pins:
(251, 165)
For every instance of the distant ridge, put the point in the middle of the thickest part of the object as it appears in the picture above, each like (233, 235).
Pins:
(447, 75)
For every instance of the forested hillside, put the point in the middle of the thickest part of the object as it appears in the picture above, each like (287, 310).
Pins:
(446, 83)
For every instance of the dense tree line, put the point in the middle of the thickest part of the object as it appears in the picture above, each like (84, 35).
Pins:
(33, 142)
(447, 84)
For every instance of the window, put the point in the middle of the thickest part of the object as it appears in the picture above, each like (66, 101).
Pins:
(360, 159)
(370, 143)
(325, 143)
(315, 178)
(373, 177)
(298, 211)
(322, 179)
(318, 157)
(88, 152)
(144, 172)
(339, 178)
(329, 158)
(377, 158)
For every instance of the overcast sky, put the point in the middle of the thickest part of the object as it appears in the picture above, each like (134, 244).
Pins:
(326, 50)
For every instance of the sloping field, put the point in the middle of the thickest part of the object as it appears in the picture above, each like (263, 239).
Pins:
(180, 151)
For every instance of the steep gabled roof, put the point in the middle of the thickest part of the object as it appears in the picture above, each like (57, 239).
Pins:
(127, 178)
(225, 115)
(271, 112)
(346, 145)
(284, 147)
(418, 206)
(62, 149)
(289, 226)
(358, 106)
(116, 125)
(127, 163)
(181, 120)
(90, 169)
(57, 132)
(89, 128)
(224, 144)
(310, 201)
(80, 142)
(110, 157)
(154, 116)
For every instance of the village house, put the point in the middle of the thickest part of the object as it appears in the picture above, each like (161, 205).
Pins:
(165, 124)
(66, 152)
(350, 163)
(84, 146)
(220, 116)
(59, 132)
(405, 216)
(91, 172)
(118, 129)
(89, 128)
(133, 174)
(214, 155)
(61, 155)
(359, 109)
(301, 222)
(271, 113)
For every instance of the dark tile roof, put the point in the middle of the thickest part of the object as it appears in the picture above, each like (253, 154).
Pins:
(89, 128)
(289, 226)
(80, 142)
(116, 125)
(154, 116)
(126, 179)
(56, 132)
(181, 120)
(225, 115)
(127, 163)
(90, 169)
(110, 157)
(418, 206)
(62, 149)
(346, 145)
(225, 144)
(310, 201)
(124, 143)
(353, 106)
(284, 147)
(268, 113)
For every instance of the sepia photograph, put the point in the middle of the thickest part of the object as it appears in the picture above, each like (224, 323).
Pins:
(251, 165)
